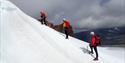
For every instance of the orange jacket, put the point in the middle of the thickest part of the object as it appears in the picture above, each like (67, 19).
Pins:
(66, 24)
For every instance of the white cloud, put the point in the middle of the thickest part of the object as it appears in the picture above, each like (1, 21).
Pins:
(82, 13)
(110, 15)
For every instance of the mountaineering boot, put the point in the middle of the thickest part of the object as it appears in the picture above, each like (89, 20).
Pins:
(91, 52)
(95, 59)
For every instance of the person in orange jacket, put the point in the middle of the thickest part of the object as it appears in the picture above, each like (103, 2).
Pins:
(66, 26)
(43, 17)
(93, 44)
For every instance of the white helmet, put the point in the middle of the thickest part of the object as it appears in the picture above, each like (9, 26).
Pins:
(64, 19)
(92, 33)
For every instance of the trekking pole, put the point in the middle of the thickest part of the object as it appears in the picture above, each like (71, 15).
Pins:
(87, 47)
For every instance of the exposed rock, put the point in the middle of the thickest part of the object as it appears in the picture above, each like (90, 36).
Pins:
(59, 27)
(50, 24)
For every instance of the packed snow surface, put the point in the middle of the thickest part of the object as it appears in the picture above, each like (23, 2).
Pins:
(24, 40)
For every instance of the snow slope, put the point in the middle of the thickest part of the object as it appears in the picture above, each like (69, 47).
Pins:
(25, 40)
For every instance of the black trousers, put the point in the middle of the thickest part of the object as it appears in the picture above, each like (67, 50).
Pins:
(66, 32)
(43, 20)
(95, 48)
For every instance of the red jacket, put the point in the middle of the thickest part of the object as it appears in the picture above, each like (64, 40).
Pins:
(93, 40)
(42, 14)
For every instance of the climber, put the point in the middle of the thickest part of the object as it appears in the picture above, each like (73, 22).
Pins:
(43, 16)
(66, 26)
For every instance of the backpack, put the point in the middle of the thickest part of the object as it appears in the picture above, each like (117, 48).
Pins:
(98, 40)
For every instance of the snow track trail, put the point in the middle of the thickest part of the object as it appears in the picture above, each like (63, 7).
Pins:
(24, 40)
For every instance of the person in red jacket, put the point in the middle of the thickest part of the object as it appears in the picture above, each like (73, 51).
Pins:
(43, 17)
(93, 44)
(66, 26)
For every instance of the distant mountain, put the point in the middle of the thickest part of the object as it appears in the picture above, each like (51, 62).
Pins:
(110, 36)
